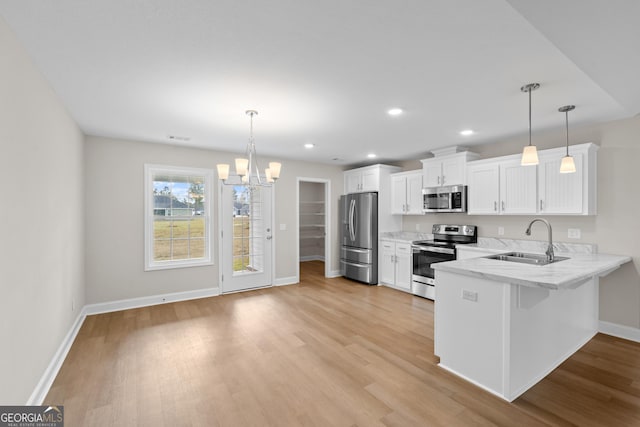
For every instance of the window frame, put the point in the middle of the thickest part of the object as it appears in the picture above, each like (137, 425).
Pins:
(151, 170)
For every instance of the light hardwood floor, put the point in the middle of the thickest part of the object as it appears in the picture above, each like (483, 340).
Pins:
(325, 352)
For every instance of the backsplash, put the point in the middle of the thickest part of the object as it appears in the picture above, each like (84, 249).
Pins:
(534, 245)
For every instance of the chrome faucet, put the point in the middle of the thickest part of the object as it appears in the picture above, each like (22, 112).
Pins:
(549, 252)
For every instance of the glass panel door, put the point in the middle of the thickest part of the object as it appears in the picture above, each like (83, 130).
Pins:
(246, 237)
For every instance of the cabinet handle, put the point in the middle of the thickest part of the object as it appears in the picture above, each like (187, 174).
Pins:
(541, 204)
(438, 180)
(443, 179)
(407, 208)
(495, 206)
(503, 206)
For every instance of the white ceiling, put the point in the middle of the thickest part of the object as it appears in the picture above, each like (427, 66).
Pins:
(327, 71)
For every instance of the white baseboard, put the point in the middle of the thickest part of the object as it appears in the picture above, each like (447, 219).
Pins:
(620, 331)
(312, 258)
(125, 304)
(43, 386)
(334, 273)
(283, 281)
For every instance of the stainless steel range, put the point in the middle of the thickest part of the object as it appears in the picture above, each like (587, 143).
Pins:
(441, 248)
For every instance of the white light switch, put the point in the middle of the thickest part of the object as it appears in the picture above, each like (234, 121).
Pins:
(573, 233)
(500, 231)
(469, 295)
(283, 227)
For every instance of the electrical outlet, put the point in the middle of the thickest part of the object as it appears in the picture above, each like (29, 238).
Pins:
(283, 227)
(469, 295)
(574, 233)
(500, 231)
(417, 227)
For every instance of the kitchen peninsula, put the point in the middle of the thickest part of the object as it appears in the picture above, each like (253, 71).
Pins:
(504, 325)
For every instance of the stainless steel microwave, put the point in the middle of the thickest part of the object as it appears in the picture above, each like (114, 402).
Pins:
(451, 198)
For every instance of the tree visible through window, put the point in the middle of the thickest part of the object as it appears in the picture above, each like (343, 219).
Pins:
(178, 226)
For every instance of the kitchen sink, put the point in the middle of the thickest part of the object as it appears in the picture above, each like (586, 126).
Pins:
(524, 258)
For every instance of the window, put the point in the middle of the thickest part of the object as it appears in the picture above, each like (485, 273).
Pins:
(177, 217)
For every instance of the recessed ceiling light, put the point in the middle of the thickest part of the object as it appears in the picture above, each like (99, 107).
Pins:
(466, 132)
(309, 145)
(395, 111)
(371, 156)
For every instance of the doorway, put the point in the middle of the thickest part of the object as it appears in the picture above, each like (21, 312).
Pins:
(313, 224)
(246, 237)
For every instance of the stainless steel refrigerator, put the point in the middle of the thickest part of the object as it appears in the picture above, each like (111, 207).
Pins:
(359, 237)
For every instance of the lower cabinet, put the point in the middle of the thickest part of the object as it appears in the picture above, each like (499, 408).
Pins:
(394, 268)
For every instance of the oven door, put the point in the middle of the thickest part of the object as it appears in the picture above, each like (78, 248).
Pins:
(424, 257)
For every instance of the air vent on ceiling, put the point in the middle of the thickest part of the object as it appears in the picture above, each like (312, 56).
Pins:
(179, 138)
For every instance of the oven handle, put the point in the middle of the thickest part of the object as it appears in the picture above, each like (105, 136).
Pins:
(417, 249)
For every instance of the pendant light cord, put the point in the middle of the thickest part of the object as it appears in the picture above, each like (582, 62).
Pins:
(566, 117)
(529, 90)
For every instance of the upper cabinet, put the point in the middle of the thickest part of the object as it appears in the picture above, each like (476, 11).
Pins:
(568, 193)
(406, 193)
(367, 178)
(501, 186)
(446, 169)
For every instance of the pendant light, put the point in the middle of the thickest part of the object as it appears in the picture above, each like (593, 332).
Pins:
(567, 165)
(530, 153)
(247, 168)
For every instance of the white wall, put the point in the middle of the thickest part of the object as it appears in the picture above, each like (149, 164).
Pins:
(115, 218)
(41, 249)
(614, 229)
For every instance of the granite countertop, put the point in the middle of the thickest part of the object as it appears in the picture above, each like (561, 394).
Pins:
(404, 236)
(565, 274)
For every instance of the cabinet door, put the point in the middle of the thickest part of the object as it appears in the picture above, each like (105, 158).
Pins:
(453, 171)
(386, 266)
(352, 181)
(483, 191)
(414, 194)
(560, 193)
(404, 266)
(518, 188)
(398, 194)
(370, 180)
(432, 171)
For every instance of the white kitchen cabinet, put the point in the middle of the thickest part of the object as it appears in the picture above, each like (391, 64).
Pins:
(568, 193)
(395, 264)
(518, 188)
(447, 169)
(367, 178)
(406, 193)
(501, 187)
(483, 191)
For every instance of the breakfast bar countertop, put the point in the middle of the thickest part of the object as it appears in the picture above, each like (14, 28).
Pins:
(568, 273)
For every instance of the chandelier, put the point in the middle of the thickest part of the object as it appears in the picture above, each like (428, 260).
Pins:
(248, 168)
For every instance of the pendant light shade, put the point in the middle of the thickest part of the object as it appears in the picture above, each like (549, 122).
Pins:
(223, 171)
(529, 153)
(529, 156)
(567, 165)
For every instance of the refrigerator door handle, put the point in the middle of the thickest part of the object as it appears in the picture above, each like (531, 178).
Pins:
(352, 211)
